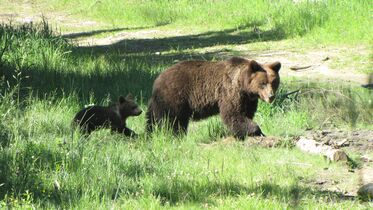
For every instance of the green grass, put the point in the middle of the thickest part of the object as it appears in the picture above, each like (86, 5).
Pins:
(46, 80)
(319, 21)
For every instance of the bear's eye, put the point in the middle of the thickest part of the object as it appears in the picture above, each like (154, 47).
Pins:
(263, 85)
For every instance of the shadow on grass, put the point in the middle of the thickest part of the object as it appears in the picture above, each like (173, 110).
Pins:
(177, 43)
(191, 192)
(19, 171)
(23, 172)
(131, 65)
(100, 31)
(4, 136)
(136, 76)
(22, 176)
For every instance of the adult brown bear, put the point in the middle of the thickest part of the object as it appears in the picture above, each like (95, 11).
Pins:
(199, 89)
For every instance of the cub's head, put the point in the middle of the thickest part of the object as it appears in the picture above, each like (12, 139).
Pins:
(127, 107)
(262, 80)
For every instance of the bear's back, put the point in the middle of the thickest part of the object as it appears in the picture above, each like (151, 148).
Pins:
(97, 115)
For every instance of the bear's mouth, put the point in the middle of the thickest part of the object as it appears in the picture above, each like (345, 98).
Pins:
(271, 99)
(267, 99)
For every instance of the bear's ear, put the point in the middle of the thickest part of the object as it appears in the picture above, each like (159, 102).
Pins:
(129, 96)
(254, 66)
(121, 100)
(276, 66)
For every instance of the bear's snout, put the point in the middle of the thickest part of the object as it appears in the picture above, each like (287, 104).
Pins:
(271, 98)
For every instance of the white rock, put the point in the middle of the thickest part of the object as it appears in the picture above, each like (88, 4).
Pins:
(314, 147)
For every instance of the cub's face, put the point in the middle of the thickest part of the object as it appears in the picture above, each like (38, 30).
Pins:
(264, 80)
(127, 107)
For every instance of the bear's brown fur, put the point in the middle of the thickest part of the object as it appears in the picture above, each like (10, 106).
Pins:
(199, 89)
(113, 117)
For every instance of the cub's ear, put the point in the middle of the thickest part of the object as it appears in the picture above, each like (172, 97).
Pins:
(129, 96)
(254, 66)
(276, 66)
(121, 99)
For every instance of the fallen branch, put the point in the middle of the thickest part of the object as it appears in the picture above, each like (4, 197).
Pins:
(295, 68)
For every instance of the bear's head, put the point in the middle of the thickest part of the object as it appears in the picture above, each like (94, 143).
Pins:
(262, 80)
(127, 107)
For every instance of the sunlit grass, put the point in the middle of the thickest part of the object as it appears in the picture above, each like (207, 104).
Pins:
(45, 163)
(319, 21)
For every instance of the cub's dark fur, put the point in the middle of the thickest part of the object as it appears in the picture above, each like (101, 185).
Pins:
(113, 117)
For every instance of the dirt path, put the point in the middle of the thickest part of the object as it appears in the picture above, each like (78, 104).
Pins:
(26, 11)
(329, 64)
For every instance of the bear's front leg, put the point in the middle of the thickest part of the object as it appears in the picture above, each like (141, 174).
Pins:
(238, 122)
(250, 107)
(128, 132)
(254, 129)
(241, 126)
(124, 130)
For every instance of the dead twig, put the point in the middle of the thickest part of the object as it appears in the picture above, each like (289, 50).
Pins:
(295, 68)
(290, 93)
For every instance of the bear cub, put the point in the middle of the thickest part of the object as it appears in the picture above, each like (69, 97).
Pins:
(199, 89)
(113, 116)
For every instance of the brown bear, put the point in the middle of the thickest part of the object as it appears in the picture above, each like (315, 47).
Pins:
(113, 116)
(199, 89)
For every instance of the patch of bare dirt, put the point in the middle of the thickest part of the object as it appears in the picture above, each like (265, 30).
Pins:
(346, 180)
(358, 141)
(267, 142)
(33, 11)
(319, 64)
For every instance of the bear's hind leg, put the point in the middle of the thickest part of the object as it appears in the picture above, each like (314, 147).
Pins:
(149, 121)
(180, 125)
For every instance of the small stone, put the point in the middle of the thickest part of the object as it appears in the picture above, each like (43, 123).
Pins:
(366, 158)
(365, 192)
(325, 59)
(343, 143)
(336, 155)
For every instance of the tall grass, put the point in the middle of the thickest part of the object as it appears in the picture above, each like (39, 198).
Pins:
(324, 20)
(46, 164)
